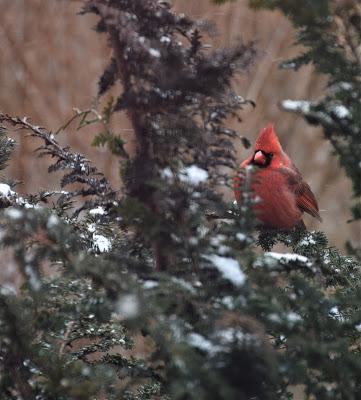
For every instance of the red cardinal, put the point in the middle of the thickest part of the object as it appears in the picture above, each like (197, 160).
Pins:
(284, 195)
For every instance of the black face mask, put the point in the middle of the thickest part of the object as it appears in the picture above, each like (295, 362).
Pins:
(262, 159)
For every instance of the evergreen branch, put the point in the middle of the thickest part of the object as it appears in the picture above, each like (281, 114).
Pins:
(81, 169)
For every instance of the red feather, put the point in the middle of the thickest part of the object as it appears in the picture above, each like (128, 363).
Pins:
(283, 193)
(305, 199)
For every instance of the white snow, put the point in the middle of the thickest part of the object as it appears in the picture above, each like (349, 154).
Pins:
(308, 240)
(85, 371)
(217, 241)
(202, 231)
(102, 243)
(228, 301)
(224, 339)
(289, 65)
(13, 213)
(53, 220)
(128, 306)
(193, 241)
(241, 237)
(97, 211)
(183, 284)
(5, 190)
(327, 258)
(154, 52)
(25, 204)
(193, 175)
(341, 111)
(274, 318)
(293, 317)
(166, 173)
(150, 284)
(165, 39)
(175, 325)
(230, 335)
(287, 256)
(229, 268)
(296, 105)
(91, 228)
(34, 281)
(8, 289)
(345, 85)
(335, 313)
(199, 341)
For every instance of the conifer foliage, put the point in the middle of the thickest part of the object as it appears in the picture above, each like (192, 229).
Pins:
(156, 291)
(330, 31)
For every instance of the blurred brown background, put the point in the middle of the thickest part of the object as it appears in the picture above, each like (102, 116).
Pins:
(51, 60)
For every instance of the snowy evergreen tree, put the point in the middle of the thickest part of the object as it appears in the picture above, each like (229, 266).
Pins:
(330, 31)
(159, 290)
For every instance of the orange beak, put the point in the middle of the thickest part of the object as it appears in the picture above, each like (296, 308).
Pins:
(259, 158)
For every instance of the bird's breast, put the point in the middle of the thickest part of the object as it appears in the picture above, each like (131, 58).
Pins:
(277, 206)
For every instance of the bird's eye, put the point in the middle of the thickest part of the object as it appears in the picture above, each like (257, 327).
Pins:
(270, 154)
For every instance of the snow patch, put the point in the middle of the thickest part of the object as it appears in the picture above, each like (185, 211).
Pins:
(166, 173)
(345, 85)
(97, 211)
(307, 241)
(293, 317)
(287, 257)
(241, 237)
(296, 105)
(335, 313)
(183, 284)
(13, 213)
(228, 301)
(154, 52)
(128, 306)
(25, 204)
(230, 335)
(91, 228)
(150, 284)
(8, 289)
(341, 111)
(202, 231)
(193, 175)
(273, 317)
(101, 243)
(5, 190)
(229, 268)
(289, 65)
(199, 341)
(217, 241)
(327, 258)
(53, 220)
(165, 39)
(34, 281)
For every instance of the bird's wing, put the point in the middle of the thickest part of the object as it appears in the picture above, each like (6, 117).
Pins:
(305, 199)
